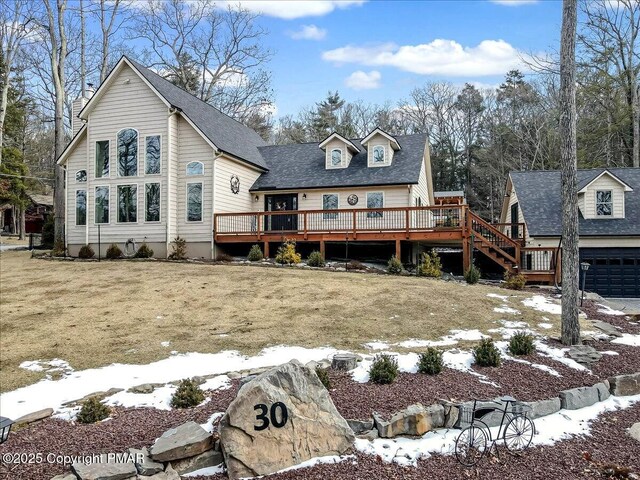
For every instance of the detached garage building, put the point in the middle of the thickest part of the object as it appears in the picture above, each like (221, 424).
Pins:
(609, 201)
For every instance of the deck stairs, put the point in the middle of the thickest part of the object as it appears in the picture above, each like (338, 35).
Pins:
(494, 244)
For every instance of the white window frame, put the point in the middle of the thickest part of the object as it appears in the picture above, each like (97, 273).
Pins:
(86, 207)
(85, 176)
(137, 153)
(329, 214)
(108, 222)
(373, 155)
(186, 194)
(339, 165)
(186, 169)
(95, 159)
(370, 214)
(118, 203)
(159, 183)
(603, 203)
(145, 155)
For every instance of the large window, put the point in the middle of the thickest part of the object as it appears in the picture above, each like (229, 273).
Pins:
(102, 159)
(330, 202)
(152, 202)
(604, 203)
(127, 203)
(336, 157)
(194, 202)
(378, 154)
(375, 200)
(102, 205)
(195, 168)
(127, 152)
(81, 207)
(152, 155)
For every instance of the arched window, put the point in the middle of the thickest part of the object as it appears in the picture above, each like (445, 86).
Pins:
(81, 176)
(127, 152)
(195, 168)
(378, 154)
(336, 157)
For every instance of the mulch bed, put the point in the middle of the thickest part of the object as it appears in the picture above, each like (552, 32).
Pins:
(623, 322)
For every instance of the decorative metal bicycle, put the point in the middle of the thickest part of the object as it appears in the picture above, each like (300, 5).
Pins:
(476, 440)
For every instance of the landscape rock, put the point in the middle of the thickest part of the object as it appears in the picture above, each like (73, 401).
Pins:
(168, 474)
(312, 427)
(210, 458)
(97, 395)
(360, 426)
(451, 413)
(606, 328)
(491, 419)
(369, 435)
(580, 397)
(344, 361)
(143, 462)
(542, 408)
(584, 354)
(603, 391)
(144, 388)
(624, 385)
(185, 441)
(34, 416)
(247, 379)
(634, 431)
(65, 476)
(108, 468)
(415, 420)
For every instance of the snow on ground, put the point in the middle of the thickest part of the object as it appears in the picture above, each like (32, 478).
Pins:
(165, 344)
(542, 304)
(205, 471)
(317, 461)
(557, 354)
(628, 339)
(506, 309)
(504, 298)
(407, 362)
(546, 326)
(549, 430)
(74, 385)
(608, 310)
(376, 345)
(55, 365)
(208, 425)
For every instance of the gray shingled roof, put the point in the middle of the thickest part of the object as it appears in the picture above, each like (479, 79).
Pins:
(224, 132)
(303, 166)
(539, 196)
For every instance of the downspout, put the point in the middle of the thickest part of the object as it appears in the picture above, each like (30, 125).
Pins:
(172, 111)
(216, 154)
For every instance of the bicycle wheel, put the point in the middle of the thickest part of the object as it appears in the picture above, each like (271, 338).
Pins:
(471, 445)
(518, 433)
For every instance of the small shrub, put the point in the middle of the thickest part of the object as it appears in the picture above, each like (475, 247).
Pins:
(48, 232)
(287, 254)
(179, 249)
(323, 375)
(521, 344)
(394, 266)
(430, 265)
(144, 251)
(223, 257)
(487, 354)
(514, 281)
(430, 362)
(113, 252)
(472, 275)
(188, 394)
(255, 254)
(384, 369)
(315, 259)
(356, 265)
(86, 252)
(93, 411)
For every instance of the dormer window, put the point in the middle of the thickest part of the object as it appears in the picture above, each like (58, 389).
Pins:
(336, 157)
(378, 154)
(604, 203)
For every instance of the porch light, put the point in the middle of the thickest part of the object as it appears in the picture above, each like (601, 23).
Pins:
(584, 266)
(304, 195)
(5, 428)
(257, 198)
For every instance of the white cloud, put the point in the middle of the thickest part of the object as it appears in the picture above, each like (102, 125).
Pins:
(514, 3)
(309, 32)
(440, 57)
(363, 81)
(292, 9)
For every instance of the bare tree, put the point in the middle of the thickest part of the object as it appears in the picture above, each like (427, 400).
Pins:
(15, 16)
(112, 19)
(569, 158)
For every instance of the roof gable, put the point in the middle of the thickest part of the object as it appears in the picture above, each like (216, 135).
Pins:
(378, 131)
(585, 183)
(337, 136)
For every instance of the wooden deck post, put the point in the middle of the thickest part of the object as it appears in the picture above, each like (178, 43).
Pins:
(322, 248)
(466, 254)
(266, 249)
(398, 250)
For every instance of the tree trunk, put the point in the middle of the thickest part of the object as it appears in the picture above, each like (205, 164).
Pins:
(83, 66)
(568, 160)
(23, 222)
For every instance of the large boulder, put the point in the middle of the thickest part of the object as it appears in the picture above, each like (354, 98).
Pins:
(542, 408)
(144, 464)
(106, 468)
(34, 416)
(210, 458)
(624, 385)
(281, 418)
(634, 431)
(187, 440)
(584, 354)
(415, 420)
(580, 397)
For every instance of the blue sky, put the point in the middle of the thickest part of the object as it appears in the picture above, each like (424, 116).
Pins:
(378, 51)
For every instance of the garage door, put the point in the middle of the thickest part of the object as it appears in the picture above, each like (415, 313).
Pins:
(614, 272)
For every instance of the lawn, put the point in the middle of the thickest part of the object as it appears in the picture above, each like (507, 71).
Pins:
(93, 314)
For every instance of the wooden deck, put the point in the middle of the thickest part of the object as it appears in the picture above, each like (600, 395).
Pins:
(453, 225)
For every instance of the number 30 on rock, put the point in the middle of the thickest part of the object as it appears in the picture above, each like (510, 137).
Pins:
(273, 415)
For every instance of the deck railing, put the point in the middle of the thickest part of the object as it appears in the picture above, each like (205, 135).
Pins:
(409, 219)
(539, 259)
(515, 231)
